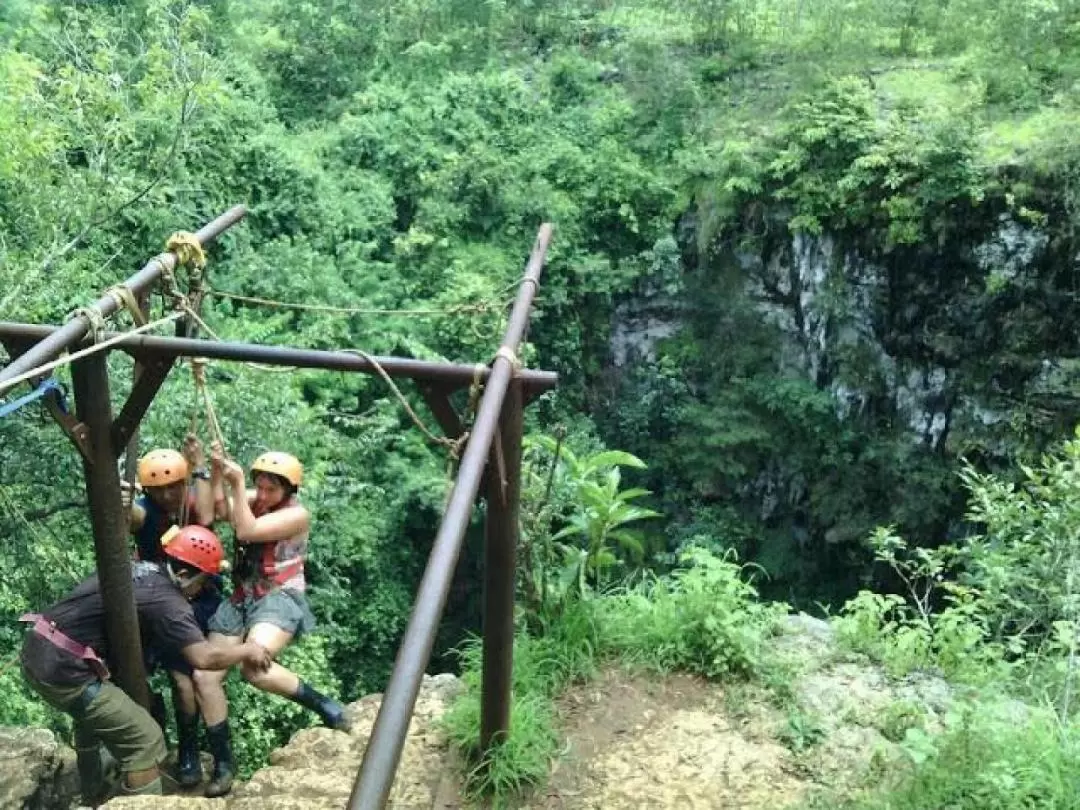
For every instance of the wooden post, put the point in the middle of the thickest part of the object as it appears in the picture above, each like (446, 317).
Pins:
(501, 535)
(90, 379)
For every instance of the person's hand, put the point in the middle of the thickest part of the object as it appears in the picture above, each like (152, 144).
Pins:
(193, 451)
(217, 457)
(258, 657)
(234, 473)
(128, 493)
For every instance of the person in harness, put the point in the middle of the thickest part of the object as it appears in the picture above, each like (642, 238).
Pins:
(167, 500)
(65, 659)
(268, 604)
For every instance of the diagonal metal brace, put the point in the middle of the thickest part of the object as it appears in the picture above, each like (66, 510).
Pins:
(147, 384)
(75, 430)
(437, 398)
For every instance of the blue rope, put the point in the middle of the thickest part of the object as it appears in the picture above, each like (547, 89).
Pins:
(46, 385)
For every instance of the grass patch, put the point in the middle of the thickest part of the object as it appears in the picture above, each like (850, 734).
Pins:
(543, 667)
(704, 618)
(988, 758)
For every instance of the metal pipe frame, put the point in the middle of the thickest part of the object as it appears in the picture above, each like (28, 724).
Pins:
(148, 348)
(383, 753)
(77, 328)
(501, 535)
(90, 378)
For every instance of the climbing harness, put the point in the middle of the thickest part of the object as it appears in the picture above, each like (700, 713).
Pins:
(49, 631)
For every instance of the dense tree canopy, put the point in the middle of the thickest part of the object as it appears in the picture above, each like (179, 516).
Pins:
(808, 257)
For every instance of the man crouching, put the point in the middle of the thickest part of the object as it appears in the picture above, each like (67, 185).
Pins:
(65, 659)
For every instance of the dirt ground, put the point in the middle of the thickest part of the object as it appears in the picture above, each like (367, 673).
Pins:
(672, 742)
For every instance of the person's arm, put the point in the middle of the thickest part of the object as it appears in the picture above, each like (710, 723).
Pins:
(136, 514)
(204, 655)
(217, 481)
(280, 525)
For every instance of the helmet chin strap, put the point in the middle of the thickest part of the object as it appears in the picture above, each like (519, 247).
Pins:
(181, 582)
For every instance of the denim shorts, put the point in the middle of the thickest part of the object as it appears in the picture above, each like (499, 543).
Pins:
(285, 609)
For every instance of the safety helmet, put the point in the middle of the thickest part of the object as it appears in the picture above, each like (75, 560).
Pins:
(196, 546)
(159, 468)
(288, 467)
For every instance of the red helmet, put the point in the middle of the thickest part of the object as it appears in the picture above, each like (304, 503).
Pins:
(194, 546)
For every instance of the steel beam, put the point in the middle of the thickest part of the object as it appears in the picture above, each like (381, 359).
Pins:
(75, 329)
(376, 775)
(146, 347)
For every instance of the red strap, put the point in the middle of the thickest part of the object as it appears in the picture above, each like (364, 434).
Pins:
(46, 629)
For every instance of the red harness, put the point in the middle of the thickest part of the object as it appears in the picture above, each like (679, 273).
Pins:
(270, 574)
(48, 630)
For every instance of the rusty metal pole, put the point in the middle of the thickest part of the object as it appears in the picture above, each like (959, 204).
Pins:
(90, 379)
(376, 775)
(424, 371)
(52, 346)
(131, 453)
(501, 536)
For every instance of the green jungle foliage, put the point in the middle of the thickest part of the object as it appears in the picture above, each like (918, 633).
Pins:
(811, 261)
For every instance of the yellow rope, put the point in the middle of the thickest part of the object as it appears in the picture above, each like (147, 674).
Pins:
(189, 251)
(7, 385)
(453, 445)
(123, 297)
(94, 319)
(481, 307)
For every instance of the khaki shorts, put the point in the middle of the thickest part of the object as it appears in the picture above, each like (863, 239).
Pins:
(285, 609)
(112, 718)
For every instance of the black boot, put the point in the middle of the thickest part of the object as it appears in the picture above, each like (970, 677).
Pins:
(224, 769)
(92, 778)
(188, 767)
(331, 712)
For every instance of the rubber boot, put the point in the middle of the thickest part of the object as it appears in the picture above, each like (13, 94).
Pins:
(93, 786)
(160, 714)
(149, 789)
(188, 767)
(332, 713)
(221, 780)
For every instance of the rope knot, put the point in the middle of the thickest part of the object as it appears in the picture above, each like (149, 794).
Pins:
(94, 319)
(189, 251)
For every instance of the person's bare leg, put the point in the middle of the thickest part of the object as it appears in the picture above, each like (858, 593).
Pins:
(210, 691)
(135, 780)
(210, 686)
(278, 680)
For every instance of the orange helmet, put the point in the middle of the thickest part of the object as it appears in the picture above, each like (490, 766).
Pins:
(288, 467)
(159, 468)
(195, 546)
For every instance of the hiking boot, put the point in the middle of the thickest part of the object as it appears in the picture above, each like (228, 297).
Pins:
(333, 714)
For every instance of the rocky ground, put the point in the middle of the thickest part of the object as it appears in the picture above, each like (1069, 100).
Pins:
(632, 740)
